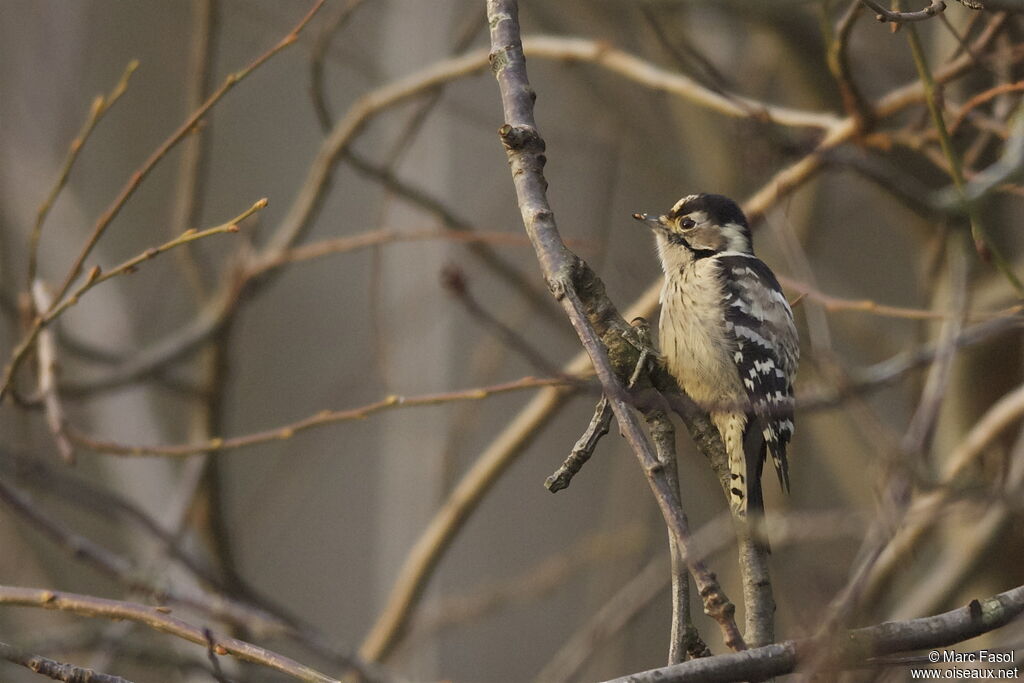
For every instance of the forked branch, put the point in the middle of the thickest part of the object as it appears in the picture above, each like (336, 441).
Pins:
(600, 327)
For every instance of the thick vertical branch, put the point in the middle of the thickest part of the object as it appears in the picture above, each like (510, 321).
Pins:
(758, 598)
(759, 621)
(664, 437)
(580, 292)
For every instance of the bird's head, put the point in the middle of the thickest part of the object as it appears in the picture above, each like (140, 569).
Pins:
(699, 225)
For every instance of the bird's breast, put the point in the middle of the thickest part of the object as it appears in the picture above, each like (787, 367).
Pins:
(694, 340)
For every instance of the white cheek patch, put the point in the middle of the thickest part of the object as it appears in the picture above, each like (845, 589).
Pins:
(735, 237)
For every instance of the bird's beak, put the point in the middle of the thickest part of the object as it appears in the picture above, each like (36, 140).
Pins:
(653, 222)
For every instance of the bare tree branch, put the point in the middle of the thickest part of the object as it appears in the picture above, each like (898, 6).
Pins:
(159, 619)
(324, 417)
(883, 14)
(58, 671)
(580, 291)
(855, 647)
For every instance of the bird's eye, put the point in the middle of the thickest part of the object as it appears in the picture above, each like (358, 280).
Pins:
(687, 223)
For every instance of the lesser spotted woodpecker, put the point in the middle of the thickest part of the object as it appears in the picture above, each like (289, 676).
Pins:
(728, 336)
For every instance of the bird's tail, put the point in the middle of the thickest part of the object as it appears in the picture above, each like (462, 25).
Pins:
(755, 449)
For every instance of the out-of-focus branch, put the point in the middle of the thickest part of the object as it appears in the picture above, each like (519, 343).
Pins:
(132, 185)
(218, 308)
(47, 362)
(835, 303)
(627, 603)
(924, 511)
(120, 569)
(80, 493)
(344, 131)
(433, 205)
(896, 490)
(594, 550)
(429, 548)
(158, 619)
(453, 279)
(888, 371)
(982, 242)
(177, 136)
(215, 605)
(58, 671)
(983, 182)
(211, 317)
(322, 418)
(192, 166)
(373, 238)
(97, 276)
(854, 648)
(982, 98)
(839, 64)
(318, 56)
(100, 106)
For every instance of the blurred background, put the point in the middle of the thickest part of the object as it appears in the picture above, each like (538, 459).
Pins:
(391, 262)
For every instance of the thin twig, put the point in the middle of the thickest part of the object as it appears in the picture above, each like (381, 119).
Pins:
(100, 106)
(210, 318)
(158, 619)
(372, 238)
(177, 136)
(193, 166)
(79, 492)
(97, 275)
(835, 303)
(922, 515)
(58, 671)
(888, 371)
(453, 279)
(467, 608)
(47, 364)
(318, 56)
(423, 199)
(983, 98)
(211, 655)
(883, 14)
(982, 241)
(683, 637)
(682, 632)
(839, 64)
(256, 620)
(627, 603)
(322, 418)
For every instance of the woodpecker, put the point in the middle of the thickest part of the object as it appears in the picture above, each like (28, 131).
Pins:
(728, 336)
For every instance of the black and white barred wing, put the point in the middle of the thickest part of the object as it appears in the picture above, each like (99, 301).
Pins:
(766, 348)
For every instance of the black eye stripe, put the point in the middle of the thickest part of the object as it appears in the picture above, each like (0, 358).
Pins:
(698, 254)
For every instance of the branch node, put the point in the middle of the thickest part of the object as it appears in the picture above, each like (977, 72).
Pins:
(521, 139)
